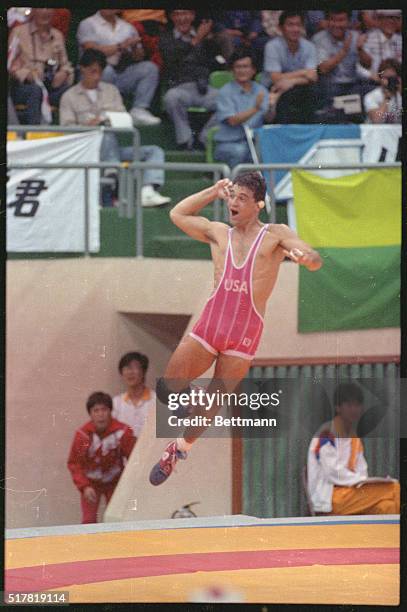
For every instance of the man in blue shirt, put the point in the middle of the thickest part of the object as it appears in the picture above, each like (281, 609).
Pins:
(339, 50)
(242, 102)
(290, 62)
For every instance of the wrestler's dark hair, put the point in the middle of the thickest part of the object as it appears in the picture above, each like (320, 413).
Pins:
(253, 181)
(93, 56)
(286, 14)
(99, 397)
(134, 356)
(348, 392)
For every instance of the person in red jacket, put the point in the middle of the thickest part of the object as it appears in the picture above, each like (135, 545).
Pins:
(98, 454)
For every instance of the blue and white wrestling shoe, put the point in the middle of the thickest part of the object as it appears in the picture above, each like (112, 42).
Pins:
(163, 469)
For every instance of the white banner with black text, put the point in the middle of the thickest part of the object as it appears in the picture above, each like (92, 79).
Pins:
(46, 207)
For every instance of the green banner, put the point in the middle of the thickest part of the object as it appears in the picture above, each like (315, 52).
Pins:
(358, 287)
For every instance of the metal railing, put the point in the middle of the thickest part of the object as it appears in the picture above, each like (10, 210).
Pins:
(129, 205)
(73, 129)
(130, 200)
(287, 166)
(136, 171)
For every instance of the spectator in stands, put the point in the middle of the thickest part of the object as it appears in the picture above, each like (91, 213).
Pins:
(316, 21)
(87, 102)
(384, 104)
(383, 42)
(61, 18)
(189, 55)
(241, 28)
(242, 102)
(367, 21)
(338, 51)
(98, 454)
(290, 63)
(269, 22)
(149, 23)
(38, 65)
(126, 68)
(133, 406)
(336, 464)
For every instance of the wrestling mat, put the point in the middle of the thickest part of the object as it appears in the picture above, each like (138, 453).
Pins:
(327, 560)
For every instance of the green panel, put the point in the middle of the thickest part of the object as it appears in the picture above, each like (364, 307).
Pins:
(354, 289)
(272, 467)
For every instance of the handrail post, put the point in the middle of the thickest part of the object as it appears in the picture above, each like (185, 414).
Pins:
(86, 211)
(139, 210)
(272, 196)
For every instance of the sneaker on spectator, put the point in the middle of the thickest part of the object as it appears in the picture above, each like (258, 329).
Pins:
(150, 197)
(142, 116)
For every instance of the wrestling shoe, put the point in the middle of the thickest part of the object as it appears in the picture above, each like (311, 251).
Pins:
(163, 469)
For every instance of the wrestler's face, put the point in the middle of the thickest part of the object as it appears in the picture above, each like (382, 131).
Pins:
(133, 374)
(242, 205)
(100, 416)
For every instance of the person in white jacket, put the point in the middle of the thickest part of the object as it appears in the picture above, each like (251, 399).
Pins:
(337, 472)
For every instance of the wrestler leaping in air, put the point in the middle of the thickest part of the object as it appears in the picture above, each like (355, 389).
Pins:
(246, 259)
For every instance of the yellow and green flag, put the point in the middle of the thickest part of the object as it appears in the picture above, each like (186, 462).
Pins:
(355, 224)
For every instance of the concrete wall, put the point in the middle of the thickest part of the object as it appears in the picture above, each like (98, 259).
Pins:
(68, 323)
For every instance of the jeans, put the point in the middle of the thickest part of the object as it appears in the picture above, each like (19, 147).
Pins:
(111, 151)
(178, 99)
(233, 153)
(139, 80)
(31, 95)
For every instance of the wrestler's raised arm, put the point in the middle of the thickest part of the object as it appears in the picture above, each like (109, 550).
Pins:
(185, 214)
(296, 249)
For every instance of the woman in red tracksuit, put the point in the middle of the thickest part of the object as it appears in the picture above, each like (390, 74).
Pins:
(98, 454)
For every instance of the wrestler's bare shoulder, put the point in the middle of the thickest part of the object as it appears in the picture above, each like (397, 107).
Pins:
(218, 231)
(274, 234)
(277, 230)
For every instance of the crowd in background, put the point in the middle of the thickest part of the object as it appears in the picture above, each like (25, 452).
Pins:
(283, 67)
(164, 59)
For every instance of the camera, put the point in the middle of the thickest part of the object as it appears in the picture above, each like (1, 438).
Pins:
(50, 68)
(392, 84)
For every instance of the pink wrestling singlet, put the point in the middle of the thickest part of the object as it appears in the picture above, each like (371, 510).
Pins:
(230, 323)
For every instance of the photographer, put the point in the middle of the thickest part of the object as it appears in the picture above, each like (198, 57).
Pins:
(37, 62)
(384, 104)
(126, 68)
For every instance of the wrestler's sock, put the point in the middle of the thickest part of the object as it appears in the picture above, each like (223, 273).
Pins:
(183, 446)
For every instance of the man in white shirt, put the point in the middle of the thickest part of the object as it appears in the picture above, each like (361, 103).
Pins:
(133, 406)
(336, 464)
(126, 69)
(383, 42)
(87, 103)
(384, 104)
